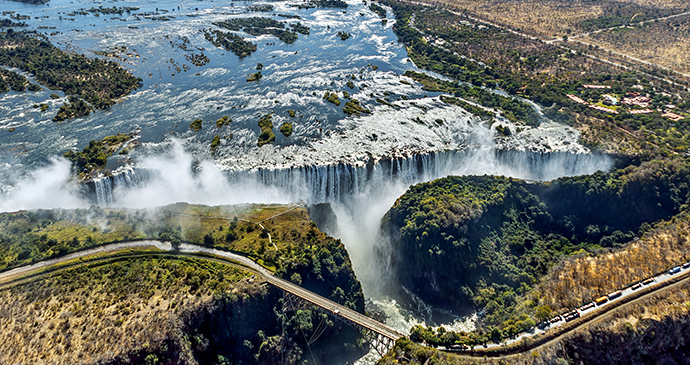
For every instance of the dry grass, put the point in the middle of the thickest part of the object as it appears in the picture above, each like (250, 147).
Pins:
(665, 43)
(96, 313)
(583, 278)
(553, 19)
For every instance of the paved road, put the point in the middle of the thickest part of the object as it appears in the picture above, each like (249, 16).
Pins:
(329, 305)
(622, 26)
(563, 45)
(665, 276)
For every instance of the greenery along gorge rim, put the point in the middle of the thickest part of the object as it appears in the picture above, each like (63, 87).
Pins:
(456, 46)
(89, 82)
(173, 310)
(502, 245)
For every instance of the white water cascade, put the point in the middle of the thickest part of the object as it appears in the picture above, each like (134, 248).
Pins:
(339, 183)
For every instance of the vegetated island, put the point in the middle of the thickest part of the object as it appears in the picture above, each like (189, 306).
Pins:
(259, 26)
(338, 4)
(230, 42)
(13, 81)
(286, 129)
(94, 156)
(94, 81)
(146, 307)
(32, 1)
(267, 135)
(8, 23)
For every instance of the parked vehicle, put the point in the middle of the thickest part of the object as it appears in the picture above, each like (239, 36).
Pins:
(555, 319)
(586, 306)
(614, 295)
(571, 315)
(601, 300)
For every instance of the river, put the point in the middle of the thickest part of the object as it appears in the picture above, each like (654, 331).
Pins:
(359, 164)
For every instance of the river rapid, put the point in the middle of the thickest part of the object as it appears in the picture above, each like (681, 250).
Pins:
(358, 164)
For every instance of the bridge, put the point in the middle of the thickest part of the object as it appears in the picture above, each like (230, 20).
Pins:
(379, 336)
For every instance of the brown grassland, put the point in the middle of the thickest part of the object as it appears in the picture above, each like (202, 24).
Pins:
(582, 278)
(554, 19)
(652, 330)
(663, 43)
(98, 312)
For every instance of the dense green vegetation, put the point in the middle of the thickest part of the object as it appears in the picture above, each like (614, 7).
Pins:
(215, 143)
(74, 109)
(33, 1)
(503, 235)
(352, 107)
(223, 121)
(261, 8)
(259, 26)
(230, 42)
(513, 109)
(96, 154)
(267, 135)
(196, 124)
(8, 23)
(376, 8)
(487, 56)
(469, 107)
(286, 129)
(96, 81)
(256, 76)
(113, 10)
(299, 28)
(332, 98)
(12, 81)
(340, 4)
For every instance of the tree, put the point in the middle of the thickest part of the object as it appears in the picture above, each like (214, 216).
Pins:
(543, 313)
(175, 244)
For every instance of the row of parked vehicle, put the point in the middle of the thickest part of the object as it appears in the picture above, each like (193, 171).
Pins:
(574, 314)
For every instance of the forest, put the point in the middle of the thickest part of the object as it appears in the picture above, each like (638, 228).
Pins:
(98, 82)
(259, 26)
(230, 42)
(503, 236)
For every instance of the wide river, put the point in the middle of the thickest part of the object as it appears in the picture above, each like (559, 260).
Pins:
(330, 157)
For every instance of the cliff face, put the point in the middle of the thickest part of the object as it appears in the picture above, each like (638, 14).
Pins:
(654, 330)
(180, 310)
(483, 241)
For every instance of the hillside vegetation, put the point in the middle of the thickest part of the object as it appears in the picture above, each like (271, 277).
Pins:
(482, 242)
(177, 310)
(650, 331)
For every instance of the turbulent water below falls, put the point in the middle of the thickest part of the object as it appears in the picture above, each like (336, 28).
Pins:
(358, 164)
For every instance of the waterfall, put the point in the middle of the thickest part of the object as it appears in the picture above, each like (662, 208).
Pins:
(106, 187)
(337, 183)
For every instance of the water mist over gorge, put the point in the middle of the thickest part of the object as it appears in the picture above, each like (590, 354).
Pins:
(359, 195)
(359, 165)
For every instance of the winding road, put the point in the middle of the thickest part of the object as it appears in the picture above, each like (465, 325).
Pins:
(330, 306)
(597, 313)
